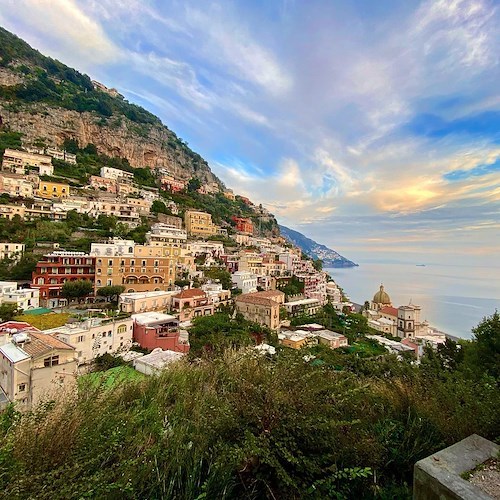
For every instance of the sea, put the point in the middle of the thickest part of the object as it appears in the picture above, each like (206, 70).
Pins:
(454, 299)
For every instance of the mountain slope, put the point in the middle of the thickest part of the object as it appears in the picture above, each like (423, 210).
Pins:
(49, 102)
(315, 250)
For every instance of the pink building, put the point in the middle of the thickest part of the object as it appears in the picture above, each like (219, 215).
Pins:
(192, 303)
(153, 329)
(110, 185)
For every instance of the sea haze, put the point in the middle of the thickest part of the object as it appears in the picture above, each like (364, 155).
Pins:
(453, 298)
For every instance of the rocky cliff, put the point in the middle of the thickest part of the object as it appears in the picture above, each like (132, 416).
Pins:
(147, 145)
(49, 102)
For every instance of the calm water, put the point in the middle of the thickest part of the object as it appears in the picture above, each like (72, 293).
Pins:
(453, 298)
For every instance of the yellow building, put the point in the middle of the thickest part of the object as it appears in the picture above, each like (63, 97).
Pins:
(259, 308)
(199, 223)
(50, 189)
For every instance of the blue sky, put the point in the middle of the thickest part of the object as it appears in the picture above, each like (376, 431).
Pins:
(372, 127)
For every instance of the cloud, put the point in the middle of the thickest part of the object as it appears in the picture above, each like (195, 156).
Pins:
(62, 25)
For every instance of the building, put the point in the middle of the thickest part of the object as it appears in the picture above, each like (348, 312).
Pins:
(169, 183)
(199, 223)
(10, 211)
(55, 269)
(170, 220)
(245, 281)
(17, 185)
(213, 248)
(9, 328)
(333, 340)
(333, 293)
(408, 321)
(243, 225)
(259, 309)
(12, 251)
(23, 298)
(139, 268)
(96, 336)
(35, 366)
(154, 329)
(134, 303)
(297, 339)
(162, 234)
(229, 195)
(21, 162)
(192, 303)
(116, 174)
(392, 345)
(50, 189)
(300, 307)
(380, 299)
(103, 183)
(156, 361)
(62, 155)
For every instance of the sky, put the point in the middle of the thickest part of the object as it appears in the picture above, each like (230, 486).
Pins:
(371, 127)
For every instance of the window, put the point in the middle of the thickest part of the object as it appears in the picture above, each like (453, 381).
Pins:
(80, 338)
(122, 329)
(143, 263)
(110, 263)
(21, 387)
(51, 361)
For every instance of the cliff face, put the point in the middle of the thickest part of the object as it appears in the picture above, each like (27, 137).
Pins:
(144, 145)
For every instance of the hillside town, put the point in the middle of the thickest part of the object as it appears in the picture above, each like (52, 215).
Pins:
(137, 299)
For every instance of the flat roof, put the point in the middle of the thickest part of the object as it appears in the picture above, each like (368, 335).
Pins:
(148, 318)
(13, 352)
(160, 359)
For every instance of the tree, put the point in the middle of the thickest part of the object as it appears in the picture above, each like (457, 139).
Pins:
(366, 305)
(8, 311)
(111, 292)
(193, 185)
(486, 349)
(318, 264)
(221, 275)
(77, 289)
(158, 207)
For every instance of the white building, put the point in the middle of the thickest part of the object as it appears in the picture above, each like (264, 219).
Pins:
(245, 281)
(299, 307)
(214, 248)
(19, 161)
(116, 174)
(162, 234)
(12, 251)
(24, 298)
(96, 336)
(156, 361)
(114, 247)
(61, 155)
(333, 293)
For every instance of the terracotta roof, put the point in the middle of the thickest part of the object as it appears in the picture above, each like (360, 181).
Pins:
(268, 294)
(250, 298)
(190, 293)
(18, 325)
(389, 310)
(43, 343)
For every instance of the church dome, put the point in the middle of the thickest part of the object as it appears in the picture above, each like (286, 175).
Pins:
(382, 297)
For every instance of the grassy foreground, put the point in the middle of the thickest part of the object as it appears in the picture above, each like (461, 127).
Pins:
(244, 426)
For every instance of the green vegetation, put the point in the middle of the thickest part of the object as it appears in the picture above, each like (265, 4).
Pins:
(76, 289)
(9, 139)
(111, 292)
(236, 424)
(214, 334)
(8, 311)
(45, 321)
(111, 378)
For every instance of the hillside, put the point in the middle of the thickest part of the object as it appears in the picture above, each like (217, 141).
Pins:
(48, 102)
(315, 250)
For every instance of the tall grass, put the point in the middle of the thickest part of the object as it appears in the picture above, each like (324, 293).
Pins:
(240, 426)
